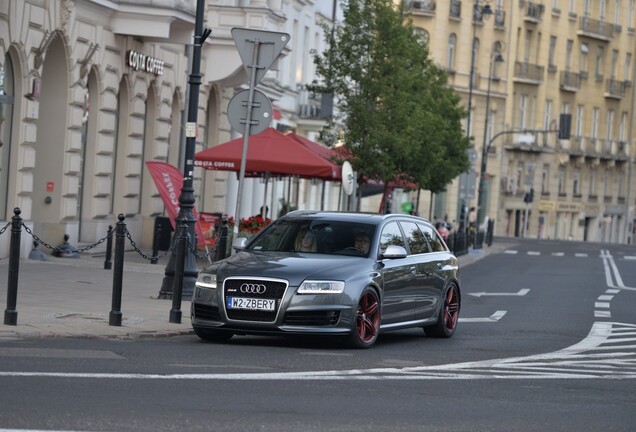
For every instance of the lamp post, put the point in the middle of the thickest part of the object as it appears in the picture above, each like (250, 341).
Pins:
(495, 57)
(181, 271)
(478, 13)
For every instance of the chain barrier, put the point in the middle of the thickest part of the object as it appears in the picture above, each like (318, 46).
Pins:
(173, 246)
(204, 257)
(3, 229)
(66, 251)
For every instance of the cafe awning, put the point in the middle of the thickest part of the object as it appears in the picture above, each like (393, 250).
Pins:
(269, 152)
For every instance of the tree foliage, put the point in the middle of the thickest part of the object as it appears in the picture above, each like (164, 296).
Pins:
(398, 114)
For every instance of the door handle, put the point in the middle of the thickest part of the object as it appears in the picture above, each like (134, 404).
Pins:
(439, 266)
(413, 271)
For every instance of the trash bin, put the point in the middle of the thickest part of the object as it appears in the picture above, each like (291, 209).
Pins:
(162, 234)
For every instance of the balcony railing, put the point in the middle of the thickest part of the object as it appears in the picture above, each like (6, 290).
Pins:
(570, 81)
(534, 12)
(597, 29)
(529, 73)
(426, 7)
(456, 9)
(615, 89)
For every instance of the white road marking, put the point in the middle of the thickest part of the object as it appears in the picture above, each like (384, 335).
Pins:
(630, 257)
(580, 255)
(534, 253)
(520, 293)
(606, 297)
(602, 314)
(492, 318)
(510, 252)
(612, 291)
(557, 254)
(603, 305)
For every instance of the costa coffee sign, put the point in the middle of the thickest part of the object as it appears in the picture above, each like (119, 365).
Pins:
(144, 63)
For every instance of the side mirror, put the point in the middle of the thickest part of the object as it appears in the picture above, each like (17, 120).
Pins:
(393, 252)
(239, 243)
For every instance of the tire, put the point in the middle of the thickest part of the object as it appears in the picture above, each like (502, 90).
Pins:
(366, 326)
(213, 335)
(448, 315)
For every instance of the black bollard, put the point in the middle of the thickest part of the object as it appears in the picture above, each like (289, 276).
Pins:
(155, 243)
(114, 318)
(221, 246)
(11, 314)
(108, 263)
(177, 289)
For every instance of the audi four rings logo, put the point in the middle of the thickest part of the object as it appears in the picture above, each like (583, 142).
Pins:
(250, 288)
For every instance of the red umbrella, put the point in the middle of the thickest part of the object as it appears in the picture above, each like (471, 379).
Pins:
(268, 152)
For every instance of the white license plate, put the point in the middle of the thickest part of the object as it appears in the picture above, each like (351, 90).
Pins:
(251, 303)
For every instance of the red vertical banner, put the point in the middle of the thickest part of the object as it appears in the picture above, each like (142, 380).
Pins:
(169, 181)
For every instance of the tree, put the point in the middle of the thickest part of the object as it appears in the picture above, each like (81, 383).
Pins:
(398, 113)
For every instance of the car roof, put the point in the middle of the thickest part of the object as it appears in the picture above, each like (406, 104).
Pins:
(370, 218)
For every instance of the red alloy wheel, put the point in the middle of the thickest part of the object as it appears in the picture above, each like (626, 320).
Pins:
(368, 317)
(451, 308)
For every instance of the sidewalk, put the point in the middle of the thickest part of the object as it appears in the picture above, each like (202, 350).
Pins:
(72, 297)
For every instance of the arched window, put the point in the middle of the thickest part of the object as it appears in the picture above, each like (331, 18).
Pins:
(422, 35)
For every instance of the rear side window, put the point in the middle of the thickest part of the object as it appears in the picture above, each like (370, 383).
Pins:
(391, 235)
(433, 238)
(414, 237)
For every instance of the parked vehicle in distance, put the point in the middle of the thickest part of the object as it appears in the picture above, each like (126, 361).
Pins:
(352, 275)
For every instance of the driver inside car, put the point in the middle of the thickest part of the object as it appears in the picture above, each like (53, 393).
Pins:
(362, 242)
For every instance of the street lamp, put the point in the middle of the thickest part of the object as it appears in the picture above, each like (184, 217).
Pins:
(495, 57)
(481, 9)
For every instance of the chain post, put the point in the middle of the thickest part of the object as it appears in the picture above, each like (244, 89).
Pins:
(221, 247)
(114, 319)
(108, 263)
(11, 314)
(177, 288)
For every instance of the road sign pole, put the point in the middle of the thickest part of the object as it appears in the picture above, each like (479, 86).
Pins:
(246, 136)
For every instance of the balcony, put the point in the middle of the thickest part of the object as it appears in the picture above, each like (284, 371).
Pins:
(455, 9)
(528, 73)
(615, 89)
(533, 12)
(423, 7)
(595, 29)
(570, 81)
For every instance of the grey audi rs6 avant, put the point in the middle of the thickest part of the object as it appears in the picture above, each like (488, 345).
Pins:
(347, 275)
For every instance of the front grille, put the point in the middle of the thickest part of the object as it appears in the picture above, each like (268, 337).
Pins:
(210, 313)
(312, 318)
(275, 289)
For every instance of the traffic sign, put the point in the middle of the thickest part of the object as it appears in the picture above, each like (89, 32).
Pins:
(258, 49)
(261, 114)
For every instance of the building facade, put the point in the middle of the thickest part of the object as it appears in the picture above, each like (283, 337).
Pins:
(91, 90)
(530, 63)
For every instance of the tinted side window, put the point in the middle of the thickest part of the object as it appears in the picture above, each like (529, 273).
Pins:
(391, 235)
(416, 240)
(433, 238)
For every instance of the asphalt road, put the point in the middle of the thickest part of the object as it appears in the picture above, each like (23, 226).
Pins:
(546, 342)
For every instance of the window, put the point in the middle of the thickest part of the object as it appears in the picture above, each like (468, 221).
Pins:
(450, 53)
(423, 35)
(610, 125)
(391, 235)
(572, 8)
(545, 179)
(602, 6)
(595, 119)
(433, 238)
(606, 183)
(630, 22)
(415, 238)
(583, 58)
(561, 184)
(568, 54)
(580, 112)
(620, 184)
(547, 115)
(523, 108)
(599, 63)
(551, 54)
(617, 12)
(575, 182)
(623, 128)
(614, 61)
(6, 120)
(628, 66)
(592, 190)
(587, 8)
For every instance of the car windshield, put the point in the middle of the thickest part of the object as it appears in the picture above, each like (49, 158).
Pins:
(316, 236)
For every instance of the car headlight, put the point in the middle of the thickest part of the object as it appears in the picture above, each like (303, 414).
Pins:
(206, 280)
(321, 287)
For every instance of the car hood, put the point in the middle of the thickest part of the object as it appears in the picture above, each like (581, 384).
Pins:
(292, 267)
